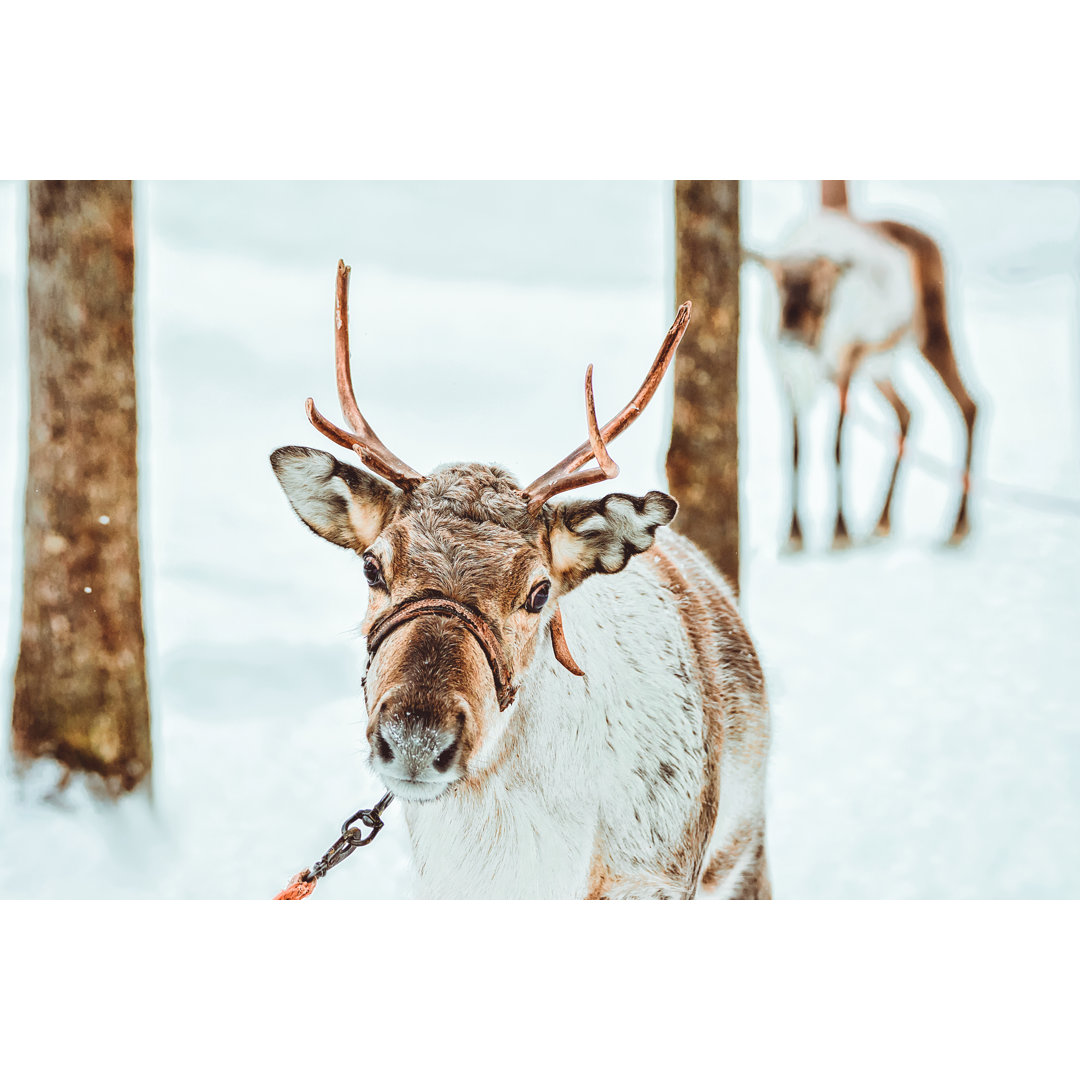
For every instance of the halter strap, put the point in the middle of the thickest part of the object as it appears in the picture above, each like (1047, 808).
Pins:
(474, 622)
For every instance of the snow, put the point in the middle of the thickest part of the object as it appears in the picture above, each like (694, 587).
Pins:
(927, 736)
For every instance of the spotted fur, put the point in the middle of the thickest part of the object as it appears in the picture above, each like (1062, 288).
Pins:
(601, 537)
(644, 778)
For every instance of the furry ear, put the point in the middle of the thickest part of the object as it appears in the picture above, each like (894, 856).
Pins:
(772, 265)
(336, 501)
(600, 536)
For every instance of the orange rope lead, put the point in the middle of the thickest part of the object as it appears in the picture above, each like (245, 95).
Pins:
(297, 888)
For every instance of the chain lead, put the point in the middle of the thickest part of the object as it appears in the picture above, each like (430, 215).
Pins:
(351, 838)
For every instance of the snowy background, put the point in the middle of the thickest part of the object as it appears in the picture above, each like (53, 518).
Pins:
(926, 700)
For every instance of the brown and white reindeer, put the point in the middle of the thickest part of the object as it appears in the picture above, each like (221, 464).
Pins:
(850, 293)
(623, 757)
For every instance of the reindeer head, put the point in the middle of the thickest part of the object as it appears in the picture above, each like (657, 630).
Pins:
(806, 285)
(465, 570)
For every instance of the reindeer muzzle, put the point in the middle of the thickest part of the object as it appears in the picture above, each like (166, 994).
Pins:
(473, 621)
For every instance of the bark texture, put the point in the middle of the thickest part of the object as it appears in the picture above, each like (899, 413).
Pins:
(703, 459)
(80, 682)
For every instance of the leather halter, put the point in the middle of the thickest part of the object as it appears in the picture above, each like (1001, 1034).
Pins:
(474, 622)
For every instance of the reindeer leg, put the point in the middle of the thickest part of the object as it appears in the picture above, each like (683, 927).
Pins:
(903, 415)
(938, 350)
(795, 537)
(756, 884)
(936, 345)
(969, 410)
(739, 871)
(841, 537)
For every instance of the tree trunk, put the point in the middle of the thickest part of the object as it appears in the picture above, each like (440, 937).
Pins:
(703, 459)
(80, 683)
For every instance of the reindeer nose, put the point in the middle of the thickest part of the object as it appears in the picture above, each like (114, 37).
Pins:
(414, 741)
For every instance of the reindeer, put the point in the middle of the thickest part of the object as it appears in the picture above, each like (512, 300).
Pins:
(620, 757)
(850, 292)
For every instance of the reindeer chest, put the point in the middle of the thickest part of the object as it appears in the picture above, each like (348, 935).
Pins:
(503, 844)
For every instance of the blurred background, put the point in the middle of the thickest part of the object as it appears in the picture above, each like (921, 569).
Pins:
(926, 727)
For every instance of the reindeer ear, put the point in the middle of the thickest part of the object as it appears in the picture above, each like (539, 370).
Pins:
(340, 503)
(774, 266)
(600, 536)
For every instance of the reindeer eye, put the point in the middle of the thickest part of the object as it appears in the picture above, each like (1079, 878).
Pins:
(538, 596)
(373, 572)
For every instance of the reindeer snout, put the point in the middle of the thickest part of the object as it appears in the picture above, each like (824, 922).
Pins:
(418, 742)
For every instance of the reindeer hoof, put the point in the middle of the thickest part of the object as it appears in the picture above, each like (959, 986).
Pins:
(841, 542)
(792, 546)
(959, 534)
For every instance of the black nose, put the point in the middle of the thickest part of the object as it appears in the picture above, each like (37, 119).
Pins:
(446, 758)
(383, 748)
(414, 741)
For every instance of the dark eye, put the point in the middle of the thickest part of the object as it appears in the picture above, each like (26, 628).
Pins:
(537, 596)
(373, 572)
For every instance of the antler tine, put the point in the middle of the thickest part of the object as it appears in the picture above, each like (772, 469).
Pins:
(367, 454)
(363, 440)
(342, 360)
(552, 482)
(596, 440)
(606, 468)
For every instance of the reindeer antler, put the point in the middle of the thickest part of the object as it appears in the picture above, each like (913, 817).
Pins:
(606, 468)
(373, 453)
(564, 476)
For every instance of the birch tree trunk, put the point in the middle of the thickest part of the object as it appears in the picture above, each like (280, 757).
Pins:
(80, 682)
(703, 459)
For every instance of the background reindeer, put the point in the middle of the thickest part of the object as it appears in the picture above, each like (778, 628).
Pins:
(623, 759)
(850, 293)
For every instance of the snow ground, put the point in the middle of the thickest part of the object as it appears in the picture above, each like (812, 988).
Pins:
(927, 732)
